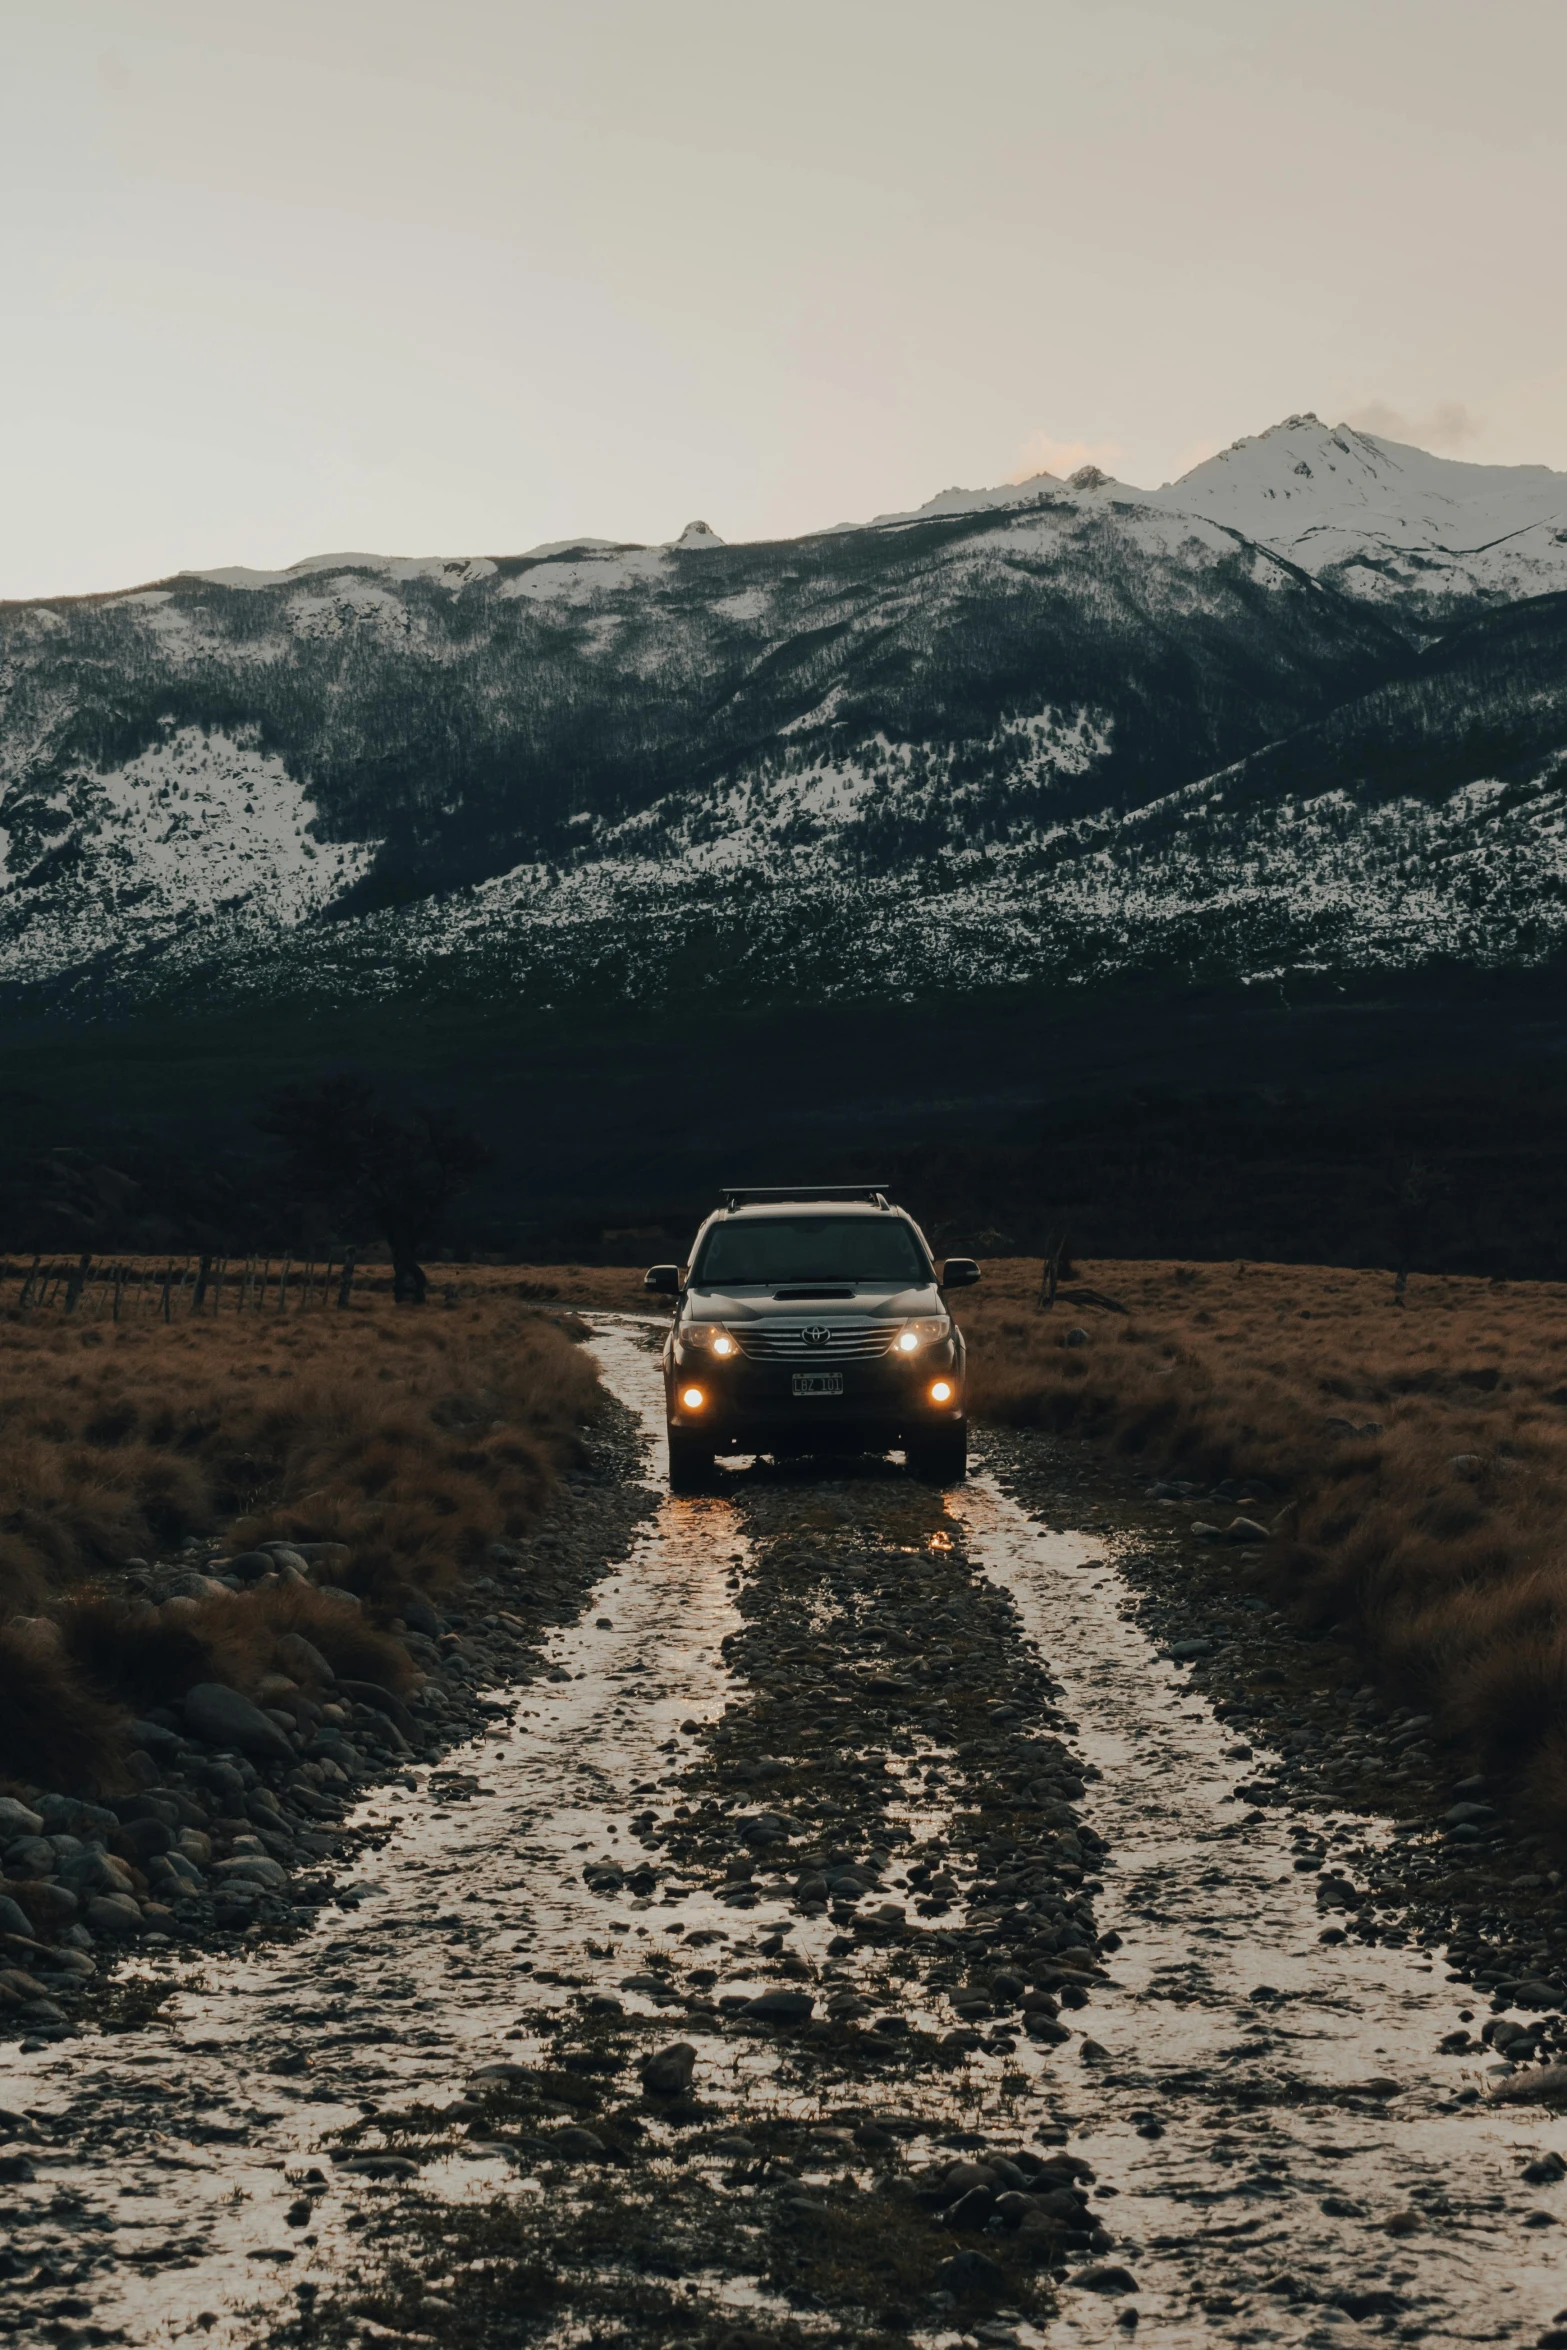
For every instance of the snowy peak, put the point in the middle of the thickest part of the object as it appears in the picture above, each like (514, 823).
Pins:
(698, 535)
(1382, 517)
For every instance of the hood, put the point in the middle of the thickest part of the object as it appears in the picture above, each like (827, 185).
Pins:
(837, 1301)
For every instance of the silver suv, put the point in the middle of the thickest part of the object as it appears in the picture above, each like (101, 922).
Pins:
(812, 1321)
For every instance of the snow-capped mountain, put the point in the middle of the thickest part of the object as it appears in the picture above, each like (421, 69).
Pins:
(1385, 521)
(1308, 704)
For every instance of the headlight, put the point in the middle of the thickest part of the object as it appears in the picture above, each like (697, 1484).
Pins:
(927, 1330)
(709, 1334)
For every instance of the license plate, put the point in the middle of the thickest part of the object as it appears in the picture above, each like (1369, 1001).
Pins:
(818, 1383)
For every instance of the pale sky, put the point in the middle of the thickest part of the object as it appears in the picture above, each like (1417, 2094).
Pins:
(459, 276)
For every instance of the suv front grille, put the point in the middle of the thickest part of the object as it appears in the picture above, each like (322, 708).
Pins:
(812, 1341)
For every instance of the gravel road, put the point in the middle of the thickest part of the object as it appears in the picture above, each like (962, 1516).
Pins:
(857, 1930)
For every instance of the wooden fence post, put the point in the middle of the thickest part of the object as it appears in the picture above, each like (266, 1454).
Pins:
(345, 1287)
(30, 1285)
(282, 1285)
(203, 1276)
(168, 1285)
(74, 1287)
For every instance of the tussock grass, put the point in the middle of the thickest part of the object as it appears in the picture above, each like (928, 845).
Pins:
(1439, 1541)
(414, 1436)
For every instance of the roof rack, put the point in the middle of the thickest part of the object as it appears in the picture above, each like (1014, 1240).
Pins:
(750, 1195)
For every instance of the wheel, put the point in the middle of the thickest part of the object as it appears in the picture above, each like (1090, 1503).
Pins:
(690, 1462)
(940, 1458)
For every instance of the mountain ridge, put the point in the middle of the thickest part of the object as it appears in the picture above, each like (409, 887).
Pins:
(1044, 732)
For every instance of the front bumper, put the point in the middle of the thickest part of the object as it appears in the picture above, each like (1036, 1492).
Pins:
(752, 1407)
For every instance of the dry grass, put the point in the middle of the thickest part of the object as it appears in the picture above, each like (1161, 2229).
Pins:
(1440, 1542)
(415, 1436)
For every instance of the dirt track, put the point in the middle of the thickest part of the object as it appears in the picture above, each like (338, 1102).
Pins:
(901, 1766)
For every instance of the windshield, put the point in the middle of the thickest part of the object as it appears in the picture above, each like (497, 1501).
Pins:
(776, 1249)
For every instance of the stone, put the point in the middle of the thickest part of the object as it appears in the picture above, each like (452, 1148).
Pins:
(973, 2209)
(969, 2274)
(97, 1872)
(251, 1565)
(575, 2144)
(780, 2007)
(301, 1658)
(16, 1820)
(30, 1856)
(14, 1919)
(115, 1915)
(222, 1717)
(140, 1841)
(668, 2072)
(156, 1739)
(252, 1868)
(54, 1909)
(378, 2166)
(1104, 2276)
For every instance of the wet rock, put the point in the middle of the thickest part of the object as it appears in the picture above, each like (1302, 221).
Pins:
(252, 1868)
(780, 2007)
(669, 2071)
(16, 1820)
(222, 1717)
(378, 2166)
(1104, 2276)
(575, 2144)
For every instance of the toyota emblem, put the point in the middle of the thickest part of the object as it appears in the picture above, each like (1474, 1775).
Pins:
(817, 1334)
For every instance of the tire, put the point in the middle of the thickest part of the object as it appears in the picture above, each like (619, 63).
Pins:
(940, 1458)
(690, 1462)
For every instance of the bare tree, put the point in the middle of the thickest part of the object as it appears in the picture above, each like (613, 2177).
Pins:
(373, 1171)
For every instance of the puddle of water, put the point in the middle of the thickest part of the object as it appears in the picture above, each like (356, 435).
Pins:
(1224, 1990)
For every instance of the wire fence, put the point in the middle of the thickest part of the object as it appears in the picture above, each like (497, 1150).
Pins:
(171, 1289)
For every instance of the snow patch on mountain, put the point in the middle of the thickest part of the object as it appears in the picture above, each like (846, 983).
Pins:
(591, 575)
(201, 830)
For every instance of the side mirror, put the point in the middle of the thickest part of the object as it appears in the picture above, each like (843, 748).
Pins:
(958, 1273)
(664, 1278)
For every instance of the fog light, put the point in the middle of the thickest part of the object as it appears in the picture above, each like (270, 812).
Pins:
(941, 1391)
(692, 1398)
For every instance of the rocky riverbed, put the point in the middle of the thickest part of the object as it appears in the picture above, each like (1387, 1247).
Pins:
(860, 1920)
